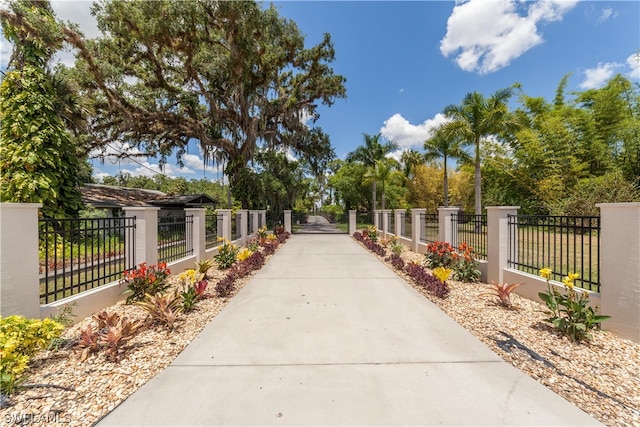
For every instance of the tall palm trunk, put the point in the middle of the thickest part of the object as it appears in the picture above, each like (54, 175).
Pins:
(446, 184)
(373, 195)
(478, 181)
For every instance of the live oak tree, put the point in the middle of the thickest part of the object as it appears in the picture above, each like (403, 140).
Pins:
(39, 162)
(230, 75)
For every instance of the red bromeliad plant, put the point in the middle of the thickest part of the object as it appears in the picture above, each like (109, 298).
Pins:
(503, 292)
(440, 254)
(145, 280)
(466, 267)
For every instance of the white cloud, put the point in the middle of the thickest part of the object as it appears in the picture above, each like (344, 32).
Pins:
(487, 35)
(152, 169)
(75, 11)
(114, 150)
(596, 77)
(306, 118)
(606, 14)
(633, 62)
(599, 15)
(193, 161)
(406, 135)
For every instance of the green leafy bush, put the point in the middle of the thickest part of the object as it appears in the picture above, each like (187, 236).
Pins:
(21, 338)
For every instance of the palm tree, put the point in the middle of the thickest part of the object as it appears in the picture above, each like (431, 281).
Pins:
(477, 118)
(410, 159)
(381, 172)
(441, 146)
(372, 151)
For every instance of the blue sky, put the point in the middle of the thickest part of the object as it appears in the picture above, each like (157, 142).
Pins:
(405, 61)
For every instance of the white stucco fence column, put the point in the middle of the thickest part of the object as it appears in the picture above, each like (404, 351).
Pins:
(287, 220)
(385, 223)
(417, 225)
(352, 222)
(254, 221)
(199, 231)
(498, 241)
(262, 215)
(242, 218)
(226, 223)
(19, 276)
(620, 268)
(397, 222)
(445, 226)
(146, 235)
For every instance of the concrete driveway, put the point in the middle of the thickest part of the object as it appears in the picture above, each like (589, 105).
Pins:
(325, 334)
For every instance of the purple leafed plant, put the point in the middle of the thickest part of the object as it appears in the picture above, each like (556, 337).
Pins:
(396, 261)
(375, 247)
(225, 286)
(431, 283)
(358, 236)
(269, 247)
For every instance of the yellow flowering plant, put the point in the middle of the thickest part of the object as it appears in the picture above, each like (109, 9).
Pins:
(226, 256)
(262, 232)
(570, 311)
(442, 273)
(244, 253)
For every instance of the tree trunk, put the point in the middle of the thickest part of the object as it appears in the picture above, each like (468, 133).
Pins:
(478, 188)
(373, 195)
(446, 184)
(478, 181)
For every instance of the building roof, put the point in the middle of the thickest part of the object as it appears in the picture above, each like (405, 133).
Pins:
(109, 196)
(193, 200)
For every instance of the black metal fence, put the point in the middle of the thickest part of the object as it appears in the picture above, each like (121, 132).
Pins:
(391, 223)
(212, 223)
(405, 225)
(379, 218)
(175, 238)
(83, 253)
(363, 219)
(565, 244)
(236, 226)
(250, 225)
(429, 228)
(472, 230)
